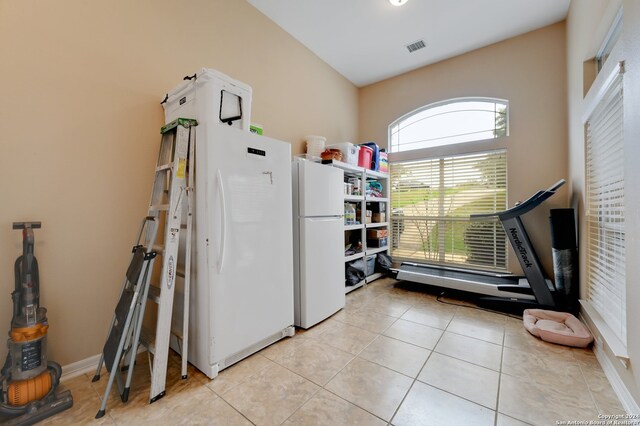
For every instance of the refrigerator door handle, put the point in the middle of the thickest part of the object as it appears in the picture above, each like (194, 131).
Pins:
(224, 223)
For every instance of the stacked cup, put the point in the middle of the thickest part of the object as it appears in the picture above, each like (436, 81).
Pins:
(315, 145)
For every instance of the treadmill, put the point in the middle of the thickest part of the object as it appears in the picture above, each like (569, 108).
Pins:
(534, 289)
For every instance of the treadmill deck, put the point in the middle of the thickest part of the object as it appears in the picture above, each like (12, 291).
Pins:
(514, 287)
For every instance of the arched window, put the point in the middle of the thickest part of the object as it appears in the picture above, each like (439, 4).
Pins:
(450, 122)
(433, 195)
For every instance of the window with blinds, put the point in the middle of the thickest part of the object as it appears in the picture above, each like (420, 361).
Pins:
(432, 200)
(605, 208)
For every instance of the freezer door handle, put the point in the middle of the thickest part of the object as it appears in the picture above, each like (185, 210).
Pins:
(223, 236)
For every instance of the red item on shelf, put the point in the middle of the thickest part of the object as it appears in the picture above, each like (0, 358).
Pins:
(364, 158)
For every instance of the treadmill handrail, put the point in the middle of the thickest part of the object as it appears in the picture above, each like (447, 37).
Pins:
(524, 207)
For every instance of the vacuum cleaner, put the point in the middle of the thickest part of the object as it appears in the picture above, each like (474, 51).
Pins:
(27, 380)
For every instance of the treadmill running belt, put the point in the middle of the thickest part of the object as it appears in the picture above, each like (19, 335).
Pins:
(467, 276)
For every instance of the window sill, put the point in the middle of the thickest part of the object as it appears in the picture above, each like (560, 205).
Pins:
(614, 343)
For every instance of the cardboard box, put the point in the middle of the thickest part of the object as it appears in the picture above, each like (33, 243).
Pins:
(368, 215)
(376, 233)
(377, 242)
(379, 217)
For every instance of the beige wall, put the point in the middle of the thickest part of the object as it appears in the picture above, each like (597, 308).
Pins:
(530, 72)
(587, 24)
(81, 84)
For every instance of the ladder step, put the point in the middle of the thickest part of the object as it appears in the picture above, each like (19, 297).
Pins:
(148, 339)
(163, 167)
(154, 293)
(159, 207)
(158, 248)
(177, 333)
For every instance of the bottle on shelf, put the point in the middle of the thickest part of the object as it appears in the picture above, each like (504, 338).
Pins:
(349, 214)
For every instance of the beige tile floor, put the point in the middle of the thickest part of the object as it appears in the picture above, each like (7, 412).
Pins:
(394, 355)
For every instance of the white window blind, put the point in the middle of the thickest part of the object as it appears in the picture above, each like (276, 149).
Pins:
(605, 209)
(431, 201)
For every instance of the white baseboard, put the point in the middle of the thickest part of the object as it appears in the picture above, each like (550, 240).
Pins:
(84, 366)
(79, 368)
(623, 394)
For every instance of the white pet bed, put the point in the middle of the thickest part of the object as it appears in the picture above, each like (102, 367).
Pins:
(557, 327)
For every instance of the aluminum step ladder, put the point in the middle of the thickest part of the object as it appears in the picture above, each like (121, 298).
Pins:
(122, 341)
(170, 208)
(172, 203)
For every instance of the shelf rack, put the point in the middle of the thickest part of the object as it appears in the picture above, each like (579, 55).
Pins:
(361, 203)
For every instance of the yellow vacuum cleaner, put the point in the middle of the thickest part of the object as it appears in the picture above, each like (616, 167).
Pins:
(28, 381)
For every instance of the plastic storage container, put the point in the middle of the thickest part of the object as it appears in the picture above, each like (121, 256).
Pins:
(364, 157)
(371, 265)
(383, 162)
(220, 100)
(349, 152)
(375, 156)
(315, 144)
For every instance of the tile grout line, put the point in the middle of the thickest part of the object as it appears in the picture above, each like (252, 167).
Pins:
(593, 398)
(356, 356)
(456, 395)
(305, 402)
(244, 381)
(504, 338)
(227, 402)
(362, 350)
(355, 405)
(321, 387)
(395, 413)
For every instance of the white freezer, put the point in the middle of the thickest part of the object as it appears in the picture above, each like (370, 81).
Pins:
(242, 293)
(241, 296)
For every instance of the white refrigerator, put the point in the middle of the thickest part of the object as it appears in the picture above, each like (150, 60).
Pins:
(241, 297)
(318, 235)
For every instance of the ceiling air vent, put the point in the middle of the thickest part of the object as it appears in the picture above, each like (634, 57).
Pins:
(416, 45)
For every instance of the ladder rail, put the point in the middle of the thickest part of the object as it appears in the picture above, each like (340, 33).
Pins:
(187, 260)
(177, 187)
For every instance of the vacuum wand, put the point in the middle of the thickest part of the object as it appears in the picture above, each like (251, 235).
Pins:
(27, 286)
